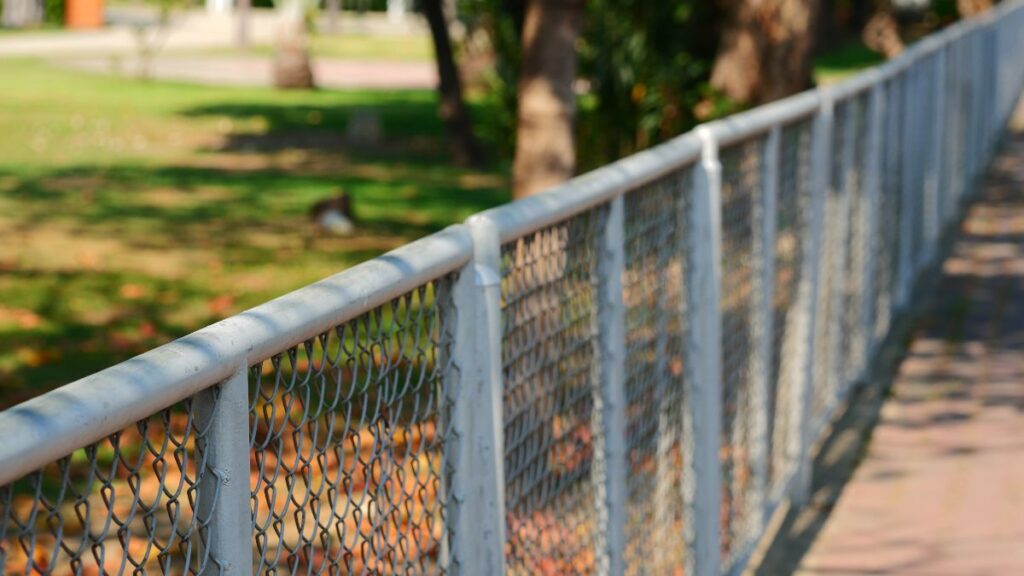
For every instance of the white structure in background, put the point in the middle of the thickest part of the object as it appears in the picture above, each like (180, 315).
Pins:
(397, 10)
(20, 13)
(219, 6)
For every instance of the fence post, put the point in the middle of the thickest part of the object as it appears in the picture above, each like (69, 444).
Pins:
(871, 186)
(224, 493)
(476, 497)
(704, 363)
(764, 323)
(610, 400)
(810, 286)
(934, 182)
(907, 196)
(836, 368)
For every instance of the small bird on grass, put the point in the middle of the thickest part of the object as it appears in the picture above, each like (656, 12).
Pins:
(334, 216)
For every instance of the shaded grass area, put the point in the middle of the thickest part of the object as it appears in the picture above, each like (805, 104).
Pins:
(848, 59)
(132, 213)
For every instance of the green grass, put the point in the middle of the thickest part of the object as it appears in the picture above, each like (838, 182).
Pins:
(845, 61)
(139, 212)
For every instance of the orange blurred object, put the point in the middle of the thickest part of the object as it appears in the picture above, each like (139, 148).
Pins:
(83, 13)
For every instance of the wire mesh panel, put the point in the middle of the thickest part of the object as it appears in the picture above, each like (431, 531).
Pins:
(828, 335)
(549, 307)
(653, 293)
(741, 212)
(914, 109)
(951, 142)
(126, 504)
(792, 209)
(852, 291)
(890, 205)
(347, 445)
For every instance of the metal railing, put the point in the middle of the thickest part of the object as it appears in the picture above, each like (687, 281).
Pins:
(623, 375)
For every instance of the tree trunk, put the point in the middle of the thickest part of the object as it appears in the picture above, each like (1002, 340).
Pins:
(968, 8)
(765, 52)
(333, 8)
(243, 23)
(291, 59)
(453, 109)
(21, 13)
(545, 146)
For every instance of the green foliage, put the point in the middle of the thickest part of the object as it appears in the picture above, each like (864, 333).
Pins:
(53, 12)
(643, 68)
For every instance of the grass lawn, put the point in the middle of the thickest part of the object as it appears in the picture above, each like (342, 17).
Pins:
(132, 213)
(850, 58)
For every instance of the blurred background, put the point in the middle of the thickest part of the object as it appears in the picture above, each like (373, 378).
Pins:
(167, 163)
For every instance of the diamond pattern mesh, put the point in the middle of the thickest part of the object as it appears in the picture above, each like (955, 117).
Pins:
(549, 308)
(792, 209)
(654, 297)
(742, 182)
(126, 504)
(347, 440)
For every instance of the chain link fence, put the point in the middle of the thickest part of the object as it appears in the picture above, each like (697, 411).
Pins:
(626, 374)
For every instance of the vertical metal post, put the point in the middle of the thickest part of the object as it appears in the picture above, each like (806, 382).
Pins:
(989, 116)
(919, 134)
(837, 335)
(703, 488)
(871, 188)
(908, 197)
(952, 135)
(610, 398)
(935, 183)
(476, 497)
(958, 102)
(224, 498)
(763, 323)
(977, 107)
(810, 286)
(333, 8)
(244, 22)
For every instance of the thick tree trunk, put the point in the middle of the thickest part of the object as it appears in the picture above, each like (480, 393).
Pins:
(242, 28)
(291, 59)
(765, 52)
(453, 109)
(333, 8)
(545, 146)
(21, 13)
(968, 8)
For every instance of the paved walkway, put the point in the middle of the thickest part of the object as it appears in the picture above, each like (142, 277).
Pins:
(941, 488)
(113, 50)
(188, 30)
(258, 71)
